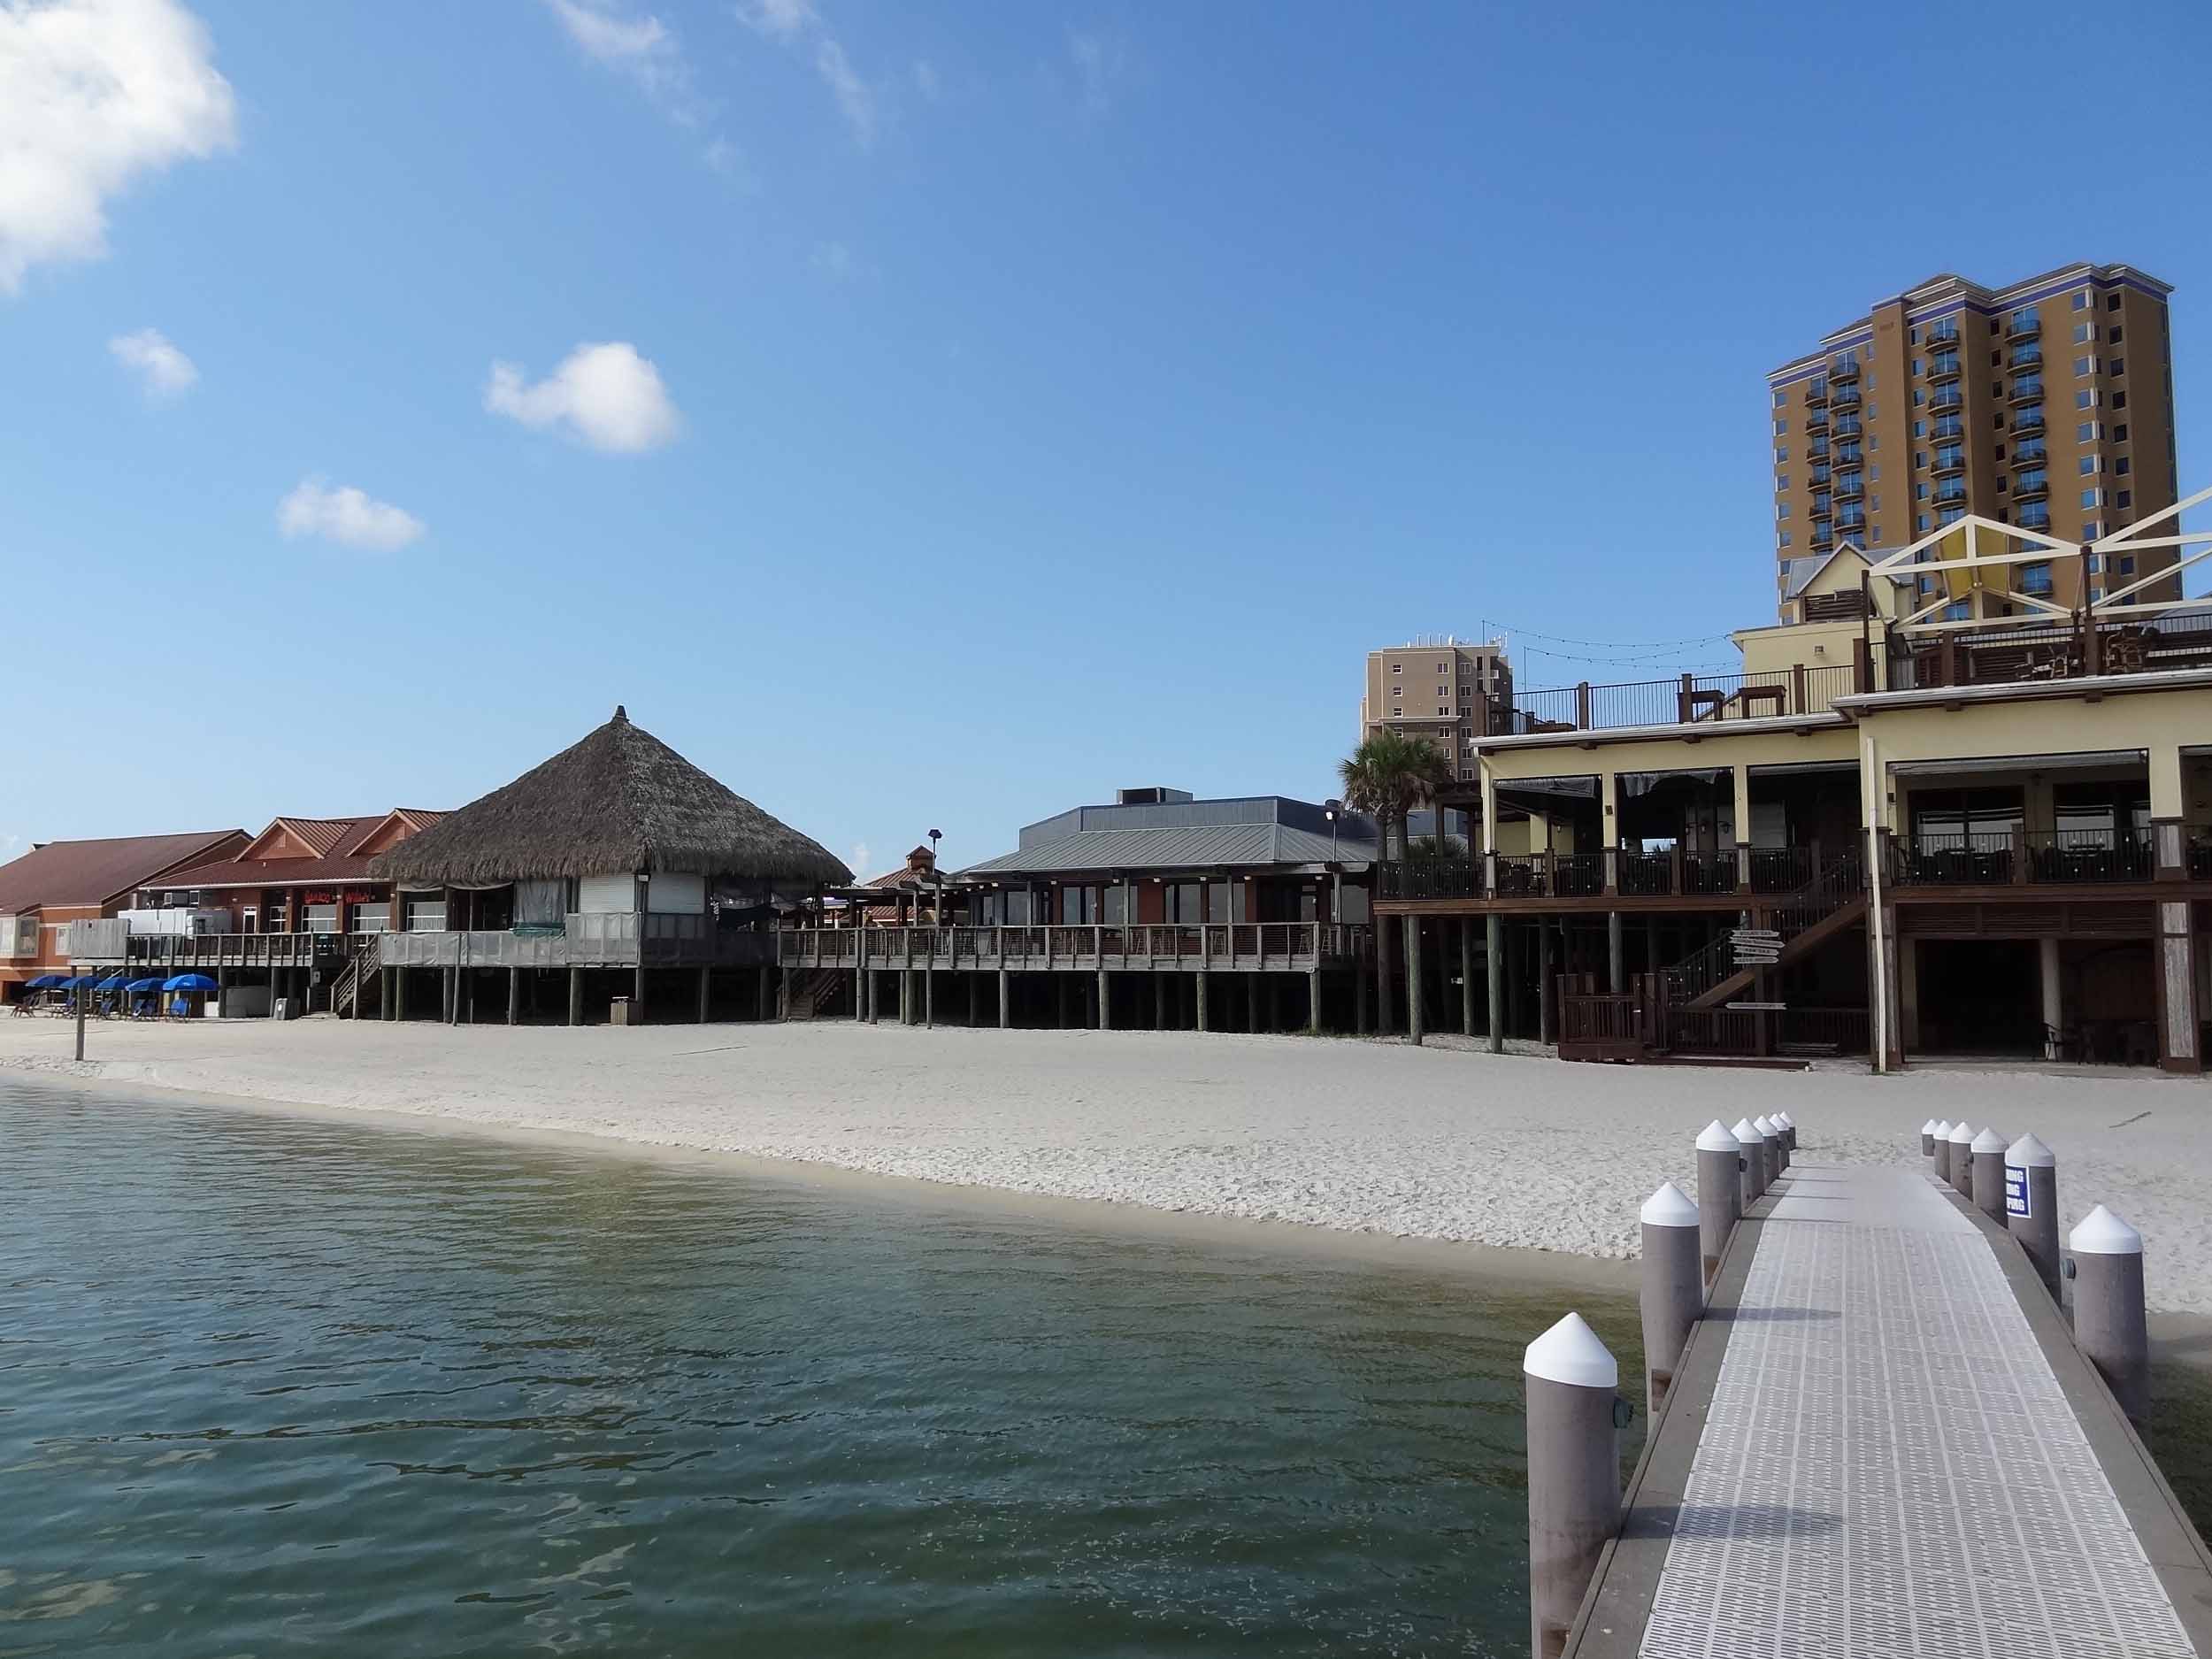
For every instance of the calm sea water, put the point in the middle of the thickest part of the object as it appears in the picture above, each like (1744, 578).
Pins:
(271, 1384)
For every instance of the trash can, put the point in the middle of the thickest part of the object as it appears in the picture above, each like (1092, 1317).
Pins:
(619, 1013)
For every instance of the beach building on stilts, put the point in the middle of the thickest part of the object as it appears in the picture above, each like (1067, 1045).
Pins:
(615, 880)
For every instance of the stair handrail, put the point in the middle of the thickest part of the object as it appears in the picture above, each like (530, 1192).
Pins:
(1836, 884)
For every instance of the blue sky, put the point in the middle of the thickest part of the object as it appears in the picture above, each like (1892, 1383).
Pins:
(994, 405)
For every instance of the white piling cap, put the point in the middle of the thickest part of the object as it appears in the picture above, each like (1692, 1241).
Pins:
(1988, 1141)
(1942, 1130)
(2103, 1233)
(1669, 1208)
(1716, 1138)
(1961, 1135)
(1765, 1126)
(1570, 1352)
(1931, 1126)
(1745, 1133)
(1785, 1120)
(2028, 1153)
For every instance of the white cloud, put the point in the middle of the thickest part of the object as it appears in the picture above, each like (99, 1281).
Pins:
(1099, 63)
(166, 371)
(646, 52)
(781, 18)
(92, 94)
(604, 393)
(346, 516)
(795, 20)
(613, 38)
(926, 81)
(855, 101)
(859, 860)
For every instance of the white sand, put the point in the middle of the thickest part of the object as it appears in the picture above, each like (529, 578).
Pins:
(1436, 1142)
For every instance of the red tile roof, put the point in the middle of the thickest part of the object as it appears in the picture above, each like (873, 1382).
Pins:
(93, 871)
(333, 838)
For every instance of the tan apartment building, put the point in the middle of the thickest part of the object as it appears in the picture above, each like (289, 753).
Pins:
(1442, 688)
(2047, 403)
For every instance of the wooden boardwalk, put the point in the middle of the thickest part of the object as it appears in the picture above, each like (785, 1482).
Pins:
(1883, 1442)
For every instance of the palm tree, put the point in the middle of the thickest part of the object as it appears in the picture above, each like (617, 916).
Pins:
(1391, 773)
(1436, 846)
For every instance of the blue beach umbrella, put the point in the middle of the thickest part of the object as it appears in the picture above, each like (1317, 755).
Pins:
(189, 982)
(115, 982)
(153, 984)
(45, 982)
(81, 982)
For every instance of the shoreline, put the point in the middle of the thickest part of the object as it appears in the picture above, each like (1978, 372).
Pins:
(1501, 1266)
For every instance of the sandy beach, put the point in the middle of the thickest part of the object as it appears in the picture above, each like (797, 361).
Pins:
(1439, 1142)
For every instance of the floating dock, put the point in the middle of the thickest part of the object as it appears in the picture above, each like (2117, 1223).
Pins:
(1881, 1440)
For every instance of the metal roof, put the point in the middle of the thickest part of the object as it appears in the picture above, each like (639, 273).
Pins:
(1198, 847)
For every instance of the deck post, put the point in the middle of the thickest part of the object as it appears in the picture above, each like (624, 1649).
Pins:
(1005, 1013)
(1616, 954)
(449, 996)
(1359, 995)
(1494, 980)
(705, 990)
(1201, 978)
(1989, 1175)
(391, 977)
(760, 993)
(1252, 1002)
(1546, 995)
(929, 991)
(399, 993)
(1574, 1472)
(2177, 1001)
(1719, 1192)
(2031, 1206)
(1274, 1002)
(575, 997)
(637, 990)
(2108, 1319)
(1962, 1162)
(1385, 1016)
(1466, 976)
(1313, 998)
(1673, 1293)
(514, 997)
(1414, 1028)
(1105, 1000)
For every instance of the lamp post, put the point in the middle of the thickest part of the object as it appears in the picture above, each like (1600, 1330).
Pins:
(937, 873)
(1333, 811)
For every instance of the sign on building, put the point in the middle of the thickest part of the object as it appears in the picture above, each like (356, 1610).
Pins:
(1755, 947)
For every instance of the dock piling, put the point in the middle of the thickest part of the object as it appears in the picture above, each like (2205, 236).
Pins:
(2031, 1205)
(1574, 1472)
(1673, 1292)
(1961, 1161)
(1770, 1150)
(1755, 1162)
(1927, 1139)
(1989, 1175)
(1942, 1135)
(1789, 1134)
(2108, 1320)
(1720, 1158)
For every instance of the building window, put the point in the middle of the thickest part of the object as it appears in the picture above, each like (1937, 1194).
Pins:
(2120, 465)
(2086, 398)
(2092, 498)
(2124, 498)
(1785, 538)
(1919, 428)
(1779, 397)
(1957, 610)
(2086, 465)
(1921, 524)
(2085, 365)
(2084, 332)
(2119, 365)
(1920, 490)
(1782, 483)
(2119, 400)
(1782, 456)
(2081, 299)
(1397, 668)
(2086, 432)
(2112, 302)
(2090, 532)
(1783, 511)
(2035, 579)
(1780, 426)
(2127, 560)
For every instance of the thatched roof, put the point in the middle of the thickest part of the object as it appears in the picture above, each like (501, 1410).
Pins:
(621, 800)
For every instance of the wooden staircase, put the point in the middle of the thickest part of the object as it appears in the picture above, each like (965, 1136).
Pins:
(1824, 906)
(807, 992)
(345, 995)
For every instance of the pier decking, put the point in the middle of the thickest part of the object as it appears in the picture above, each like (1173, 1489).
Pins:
(1883, 1442)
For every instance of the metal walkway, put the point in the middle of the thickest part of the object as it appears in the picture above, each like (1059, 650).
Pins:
(1889, 1466)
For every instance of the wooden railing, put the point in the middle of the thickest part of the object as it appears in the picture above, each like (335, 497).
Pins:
(1675, 873)
(186, 951)
(586, 939)
(1688, 699)
(1141, 945)
(1976, 858)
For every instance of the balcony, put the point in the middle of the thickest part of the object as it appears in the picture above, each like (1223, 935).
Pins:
(1816, 392)
(1846, 427)
(1848, 454)
(1843, 397)
(2028, 455)
(2034, 519)
(2023, 326)
(1816, 452)
(1986, 858)
(1842, 369)
(1849, 525)
(2026, 391)
(2034, 485)
(1850, 488)
(1951, 495)
(2027, 422)
(1941, 334)
(1947, 397)
(2021, 357)
(1816, 420)
(1949, 426)
(1944, 367)
(1820, 477)
(1822, 542)
(1950, 461)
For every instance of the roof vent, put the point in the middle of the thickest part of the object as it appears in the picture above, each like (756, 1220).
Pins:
(1151, 794)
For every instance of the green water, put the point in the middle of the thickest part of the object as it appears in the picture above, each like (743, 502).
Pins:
(271, 1384)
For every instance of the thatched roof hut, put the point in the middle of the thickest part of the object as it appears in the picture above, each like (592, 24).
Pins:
(619, 800)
